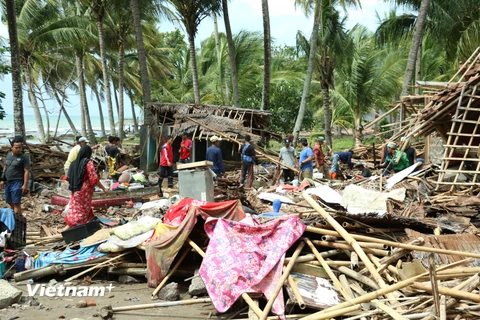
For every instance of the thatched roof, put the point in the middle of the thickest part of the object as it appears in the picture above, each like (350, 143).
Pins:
(231, 121)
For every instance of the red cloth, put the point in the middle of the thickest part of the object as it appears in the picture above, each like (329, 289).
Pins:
(184, 149)
(162, 250)
(80, 204)
(166, 155)
(319, 155)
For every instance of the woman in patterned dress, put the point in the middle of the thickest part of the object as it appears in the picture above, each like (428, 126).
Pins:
(83, 179)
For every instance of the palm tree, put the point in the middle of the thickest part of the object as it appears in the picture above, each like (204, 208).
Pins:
(416, 42)
(231, 54)
(18, 119)
(191, 13)
(267, 53)
(323, 10)
(369, 77)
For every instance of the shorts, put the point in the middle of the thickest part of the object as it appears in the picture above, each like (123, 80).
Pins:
(13, 192)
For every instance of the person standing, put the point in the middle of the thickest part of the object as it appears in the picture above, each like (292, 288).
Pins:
(320, 157)
(82, 178)
(73, 154)
(248, 161)
(288, 156)
(166, 163)
(15, 175)
(214, 155)
(185, 148)
(306, 160)
(345, 157)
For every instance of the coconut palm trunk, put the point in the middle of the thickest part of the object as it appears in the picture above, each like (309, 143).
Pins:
(416, 41)
(18, 119)
(231, 54)
(87, 129)
(267, 53)
(327, 114)
(121, 110)
(62, 109)
(308, 77)
(418, 68)
(142, 60)
(100, 110)
(134, 116)
(34, 103)
(106, 82)
(193, 64)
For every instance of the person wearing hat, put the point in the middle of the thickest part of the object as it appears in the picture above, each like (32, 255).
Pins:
(73, 154)
(214, 155)
(288, 156)
(366, 173)
(320, 157)
(166, 164)
(344, 157)
(395, 161)
(185, 148)
(306, 160)
(248, 161)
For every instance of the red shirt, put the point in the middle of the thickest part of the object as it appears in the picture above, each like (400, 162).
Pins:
(185, 152)
(319, 155)
(166, 155)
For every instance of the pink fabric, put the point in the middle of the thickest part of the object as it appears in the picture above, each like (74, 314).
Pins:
(80, 204)
(247, 256)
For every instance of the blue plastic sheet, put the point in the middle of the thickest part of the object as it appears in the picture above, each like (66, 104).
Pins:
(68, 256)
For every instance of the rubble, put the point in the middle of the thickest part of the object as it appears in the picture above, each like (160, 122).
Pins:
(8, 294)
(197, 287)
(169, 292)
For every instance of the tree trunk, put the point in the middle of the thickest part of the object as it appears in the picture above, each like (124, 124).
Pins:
(135, 123)
(416, 41)
(18, 119)
(115, 96)
(121, 113)
(142, 61)
(193, 62)
(100, 110)
(62, 109)
(217, 38)
(86, 122)
(47, 118)
(221, 75)
(106, 82)
(327, 115)
(358, 134)
(34, 103)
(308, 77)
(231, 55)
(267, 52)
(418, 68)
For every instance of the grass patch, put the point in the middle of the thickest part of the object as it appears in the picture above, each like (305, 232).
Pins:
(342, 144)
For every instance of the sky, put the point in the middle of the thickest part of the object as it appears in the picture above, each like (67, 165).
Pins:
(285, 21)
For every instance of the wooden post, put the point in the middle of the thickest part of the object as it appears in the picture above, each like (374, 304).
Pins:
(170, 273)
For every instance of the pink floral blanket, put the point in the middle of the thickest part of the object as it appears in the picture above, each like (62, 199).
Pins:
(247, 256)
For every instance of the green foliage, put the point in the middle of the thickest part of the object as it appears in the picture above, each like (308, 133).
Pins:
(342, 144)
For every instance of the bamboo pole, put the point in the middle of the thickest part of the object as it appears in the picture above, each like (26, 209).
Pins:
(449, 292)
(96, 267)
(245, 296)
(238, 142)
(170, 273)
(337, 245)
(161, 304)
(327, 313)
(328, 270)
(350, 240)
(388, 310)
(358, 277)
(395, 244)
(296, 292)
(443, 308)
(433, 281)
(280, 283)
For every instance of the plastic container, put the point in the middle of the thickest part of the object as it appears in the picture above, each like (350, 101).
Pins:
(81, 232)
(107, 184)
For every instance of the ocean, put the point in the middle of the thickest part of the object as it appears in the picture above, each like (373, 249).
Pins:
(7, 127)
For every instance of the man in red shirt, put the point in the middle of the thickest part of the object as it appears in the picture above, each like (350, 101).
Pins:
(320, 157)
(185, 148)
(166, 163)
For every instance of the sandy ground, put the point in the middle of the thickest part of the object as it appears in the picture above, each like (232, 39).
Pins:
(121, 295)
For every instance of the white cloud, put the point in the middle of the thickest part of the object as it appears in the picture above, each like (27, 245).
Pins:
(276, 8)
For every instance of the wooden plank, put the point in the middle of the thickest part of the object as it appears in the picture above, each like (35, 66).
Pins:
(310, 269)
(192, 165)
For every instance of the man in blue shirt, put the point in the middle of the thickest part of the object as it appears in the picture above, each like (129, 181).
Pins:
(248, 161)
(345, 157)
(306, 160)
(214, 154)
